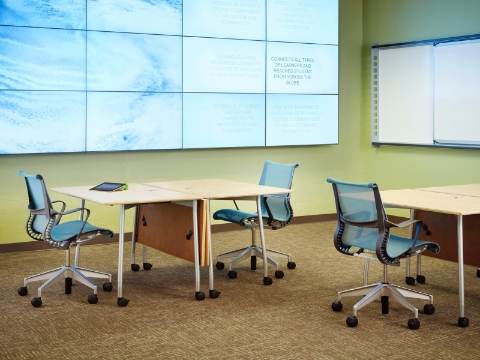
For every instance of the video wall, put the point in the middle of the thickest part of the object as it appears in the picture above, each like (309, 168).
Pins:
(119, 75)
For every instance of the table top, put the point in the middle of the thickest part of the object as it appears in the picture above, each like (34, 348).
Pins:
(219, 188)
(455, 200)
(168, 191)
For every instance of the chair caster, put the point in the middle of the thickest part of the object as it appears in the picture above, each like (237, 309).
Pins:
(135, 267)
(429, 309)
(107, 286)
(37, 302)
(413, 324)
(122, 302)
(214, 293)
(410, 280)
(478, 272)
(147, 266)
(463, 322)
(352, 321)
(291, 265)
(92, 299)
(232, 274)
(199, 296)
(267, 281)
(279, 274)
(421, 279)
(22, 291)
(219, 265)
(337, 306)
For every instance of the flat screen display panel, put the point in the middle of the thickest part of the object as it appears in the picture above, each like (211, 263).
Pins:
(121, 75)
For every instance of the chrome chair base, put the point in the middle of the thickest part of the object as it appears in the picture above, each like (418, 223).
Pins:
(252, 250)
(373, 292)
(79, 274)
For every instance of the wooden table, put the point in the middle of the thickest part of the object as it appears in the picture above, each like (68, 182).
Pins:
(460, 200)
(174, 191)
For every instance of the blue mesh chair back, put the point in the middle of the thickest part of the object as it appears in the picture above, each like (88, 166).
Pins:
(39, 203)
(357, 205)
(364, 225)
(277, 175)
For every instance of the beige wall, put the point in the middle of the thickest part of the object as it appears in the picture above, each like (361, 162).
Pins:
(391, 21)
(311, 195)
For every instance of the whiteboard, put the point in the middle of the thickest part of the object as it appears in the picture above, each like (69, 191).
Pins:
(457, 93)
(405, 100)
(427, 93)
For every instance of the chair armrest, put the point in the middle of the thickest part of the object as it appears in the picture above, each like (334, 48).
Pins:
(75, 210)
(57, 220)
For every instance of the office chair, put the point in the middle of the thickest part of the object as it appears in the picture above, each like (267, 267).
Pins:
(43, 224)
(363, 230)
(276, 214)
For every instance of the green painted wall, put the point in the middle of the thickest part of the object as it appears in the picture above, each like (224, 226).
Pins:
(312, 195)
(391, 21)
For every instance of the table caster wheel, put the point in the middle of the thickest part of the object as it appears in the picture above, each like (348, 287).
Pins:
(421, 279)
(147, 266)
(135, 267)
(463, 322)
(214, 293)
(199, 296)
(410, 280)
(267, 281)
(122, 302)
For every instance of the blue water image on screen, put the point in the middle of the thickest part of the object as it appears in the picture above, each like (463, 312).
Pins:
(134, 62)
(303, 21)
(42, 121)
(42, 59)
(302, 119)
(302, 68)
(239, 19)
(220, 65)
(44, 13)
(133, 121)
(223, 120)
(138, 16)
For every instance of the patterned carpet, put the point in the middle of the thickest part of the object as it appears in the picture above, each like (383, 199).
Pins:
(292, 319)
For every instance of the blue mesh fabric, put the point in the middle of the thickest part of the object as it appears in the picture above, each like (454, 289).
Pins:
(36, 196)
(233, 216)
(70, 229)
(273, 174)
(357, 203)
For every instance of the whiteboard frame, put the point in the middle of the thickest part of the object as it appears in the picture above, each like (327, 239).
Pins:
(374, 90)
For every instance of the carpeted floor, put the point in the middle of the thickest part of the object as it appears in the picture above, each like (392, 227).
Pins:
(291, 319)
